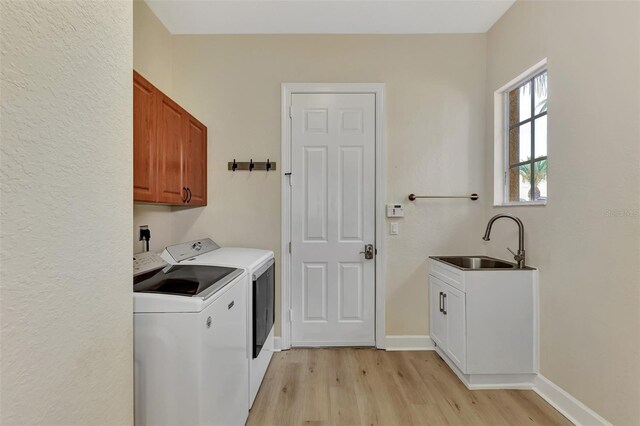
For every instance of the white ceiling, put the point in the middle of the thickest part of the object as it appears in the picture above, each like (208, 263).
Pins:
(328, 16)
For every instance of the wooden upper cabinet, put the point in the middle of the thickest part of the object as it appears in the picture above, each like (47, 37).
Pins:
(171, 141)
(170, 150)
(144, 134)
(195, 154)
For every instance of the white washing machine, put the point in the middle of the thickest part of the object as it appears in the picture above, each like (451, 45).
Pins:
(260, 266)
(190, 345)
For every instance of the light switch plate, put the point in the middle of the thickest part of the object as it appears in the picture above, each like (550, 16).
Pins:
(394, 228)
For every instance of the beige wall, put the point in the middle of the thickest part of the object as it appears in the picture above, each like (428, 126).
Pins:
(152, 47)
(586, 241)
(435, 123)
(153, 59)
(66, 306)
(435, 127)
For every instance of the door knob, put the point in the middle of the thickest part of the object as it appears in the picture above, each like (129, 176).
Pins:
(368, 251)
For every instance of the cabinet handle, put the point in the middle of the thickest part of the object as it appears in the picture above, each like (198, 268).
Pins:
(440, 302)
(184, 194)
(444, 303)
(189, 192)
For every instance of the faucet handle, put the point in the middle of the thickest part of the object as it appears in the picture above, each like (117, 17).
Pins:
(518, 257)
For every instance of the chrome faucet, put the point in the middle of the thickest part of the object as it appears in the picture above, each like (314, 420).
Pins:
(518, 257)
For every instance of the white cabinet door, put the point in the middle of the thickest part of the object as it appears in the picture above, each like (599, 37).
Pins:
(332, 219)
(437, 320)
(454, 312)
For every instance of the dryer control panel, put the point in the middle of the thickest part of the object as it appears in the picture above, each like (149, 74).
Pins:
(183, 251)
(146, 262)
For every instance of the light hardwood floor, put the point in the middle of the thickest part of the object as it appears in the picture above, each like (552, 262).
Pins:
(371, 387)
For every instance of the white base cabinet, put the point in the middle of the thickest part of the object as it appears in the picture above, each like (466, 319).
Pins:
(485, 324)
(447, 315)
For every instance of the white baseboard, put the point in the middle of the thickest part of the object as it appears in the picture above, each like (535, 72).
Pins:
(574, 410)
(409, 343)
(277, 344)
(565, 403)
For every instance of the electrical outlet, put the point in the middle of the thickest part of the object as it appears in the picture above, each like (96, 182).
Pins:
(143, 231)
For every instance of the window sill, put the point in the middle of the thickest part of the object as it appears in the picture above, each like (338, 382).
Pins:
(530, 204)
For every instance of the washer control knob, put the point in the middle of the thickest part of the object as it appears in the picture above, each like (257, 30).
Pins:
(209, 322)
(197, 246)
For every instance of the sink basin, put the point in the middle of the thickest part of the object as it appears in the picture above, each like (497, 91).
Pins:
(476, 262)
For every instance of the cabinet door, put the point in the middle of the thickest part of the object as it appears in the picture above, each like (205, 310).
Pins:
(437, 320)
(171, 133)
(195, 161)
(454, 308)
(144, 139)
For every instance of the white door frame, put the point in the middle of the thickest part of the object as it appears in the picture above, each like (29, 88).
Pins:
(289, 89)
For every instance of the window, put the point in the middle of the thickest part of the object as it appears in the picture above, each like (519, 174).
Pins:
(525, 177)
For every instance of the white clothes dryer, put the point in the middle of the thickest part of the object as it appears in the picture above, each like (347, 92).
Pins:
(260, 267)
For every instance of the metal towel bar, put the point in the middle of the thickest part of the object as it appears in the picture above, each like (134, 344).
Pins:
(412, 197)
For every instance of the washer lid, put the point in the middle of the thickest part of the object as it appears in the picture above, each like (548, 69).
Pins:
(185, 280)
(248, 258)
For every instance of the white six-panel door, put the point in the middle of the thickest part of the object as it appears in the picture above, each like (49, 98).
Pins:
(332, 219)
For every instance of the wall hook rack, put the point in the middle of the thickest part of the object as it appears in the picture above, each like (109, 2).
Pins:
(251, 165)
(474, 196)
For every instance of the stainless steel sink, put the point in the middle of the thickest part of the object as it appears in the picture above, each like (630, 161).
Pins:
(477, 262)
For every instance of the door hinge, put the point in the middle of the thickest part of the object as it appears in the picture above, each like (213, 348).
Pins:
(290, 315)
(289, 246)
(290, 113)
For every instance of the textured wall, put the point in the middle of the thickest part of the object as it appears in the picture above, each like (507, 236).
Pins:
(586, 241)
(66, 305)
